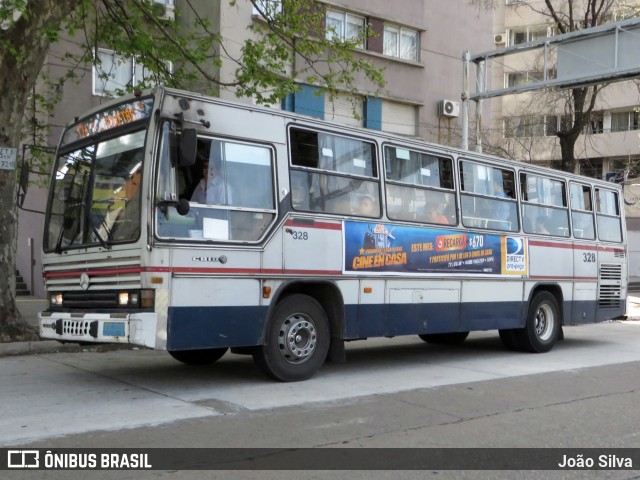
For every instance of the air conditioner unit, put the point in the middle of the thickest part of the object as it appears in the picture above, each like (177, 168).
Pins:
(448, 108)
(165, 12)
(500, 38)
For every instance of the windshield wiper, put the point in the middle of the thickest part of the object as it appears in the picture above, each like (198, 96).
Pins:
(68, 219)
(88, 211)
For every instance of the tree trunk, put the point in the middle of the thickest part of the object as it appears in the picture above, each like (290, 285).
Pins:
(567, 150)
(29, 39)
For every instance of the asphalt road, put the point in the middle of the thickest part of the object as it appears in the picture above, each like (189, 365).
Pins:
(391, 393)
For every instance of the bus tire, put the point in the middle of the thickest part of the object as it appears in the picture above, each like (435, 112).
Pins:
(509, 340)
(451, 338)
(541, 331)
(203, 356)
(297, 340)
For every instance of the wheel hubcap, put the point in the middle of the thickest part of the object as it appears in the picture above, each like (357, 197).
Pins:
(297, 338)
(544, 322)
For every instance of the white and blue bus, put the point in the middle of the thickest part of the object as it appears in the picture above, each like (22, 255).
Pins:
(189, 224)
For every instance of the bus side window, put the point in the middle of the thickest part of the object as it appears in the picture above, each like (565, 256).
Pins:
(487, 195)
(339, 173)
(419, 186)
(544, 205)
(582, 212)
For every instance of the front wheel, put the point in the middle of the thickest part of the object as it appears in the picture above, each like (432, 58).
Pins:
(203, 356)
(297, 340)
(541, 331)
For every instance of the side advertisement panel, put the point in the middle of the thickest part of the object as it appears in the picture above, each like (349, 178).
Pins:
(388, 248)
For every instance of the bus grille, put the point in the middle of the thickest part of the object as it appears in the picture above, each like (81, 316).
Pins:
(610, 280)
(75, 327)
(96, 299)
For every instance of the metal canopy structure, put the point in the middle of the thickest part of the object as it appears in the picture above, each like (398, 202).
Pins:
(605, 54)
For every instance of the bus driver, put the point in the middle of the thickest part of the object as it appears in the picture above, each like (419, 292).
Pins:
(211, 189)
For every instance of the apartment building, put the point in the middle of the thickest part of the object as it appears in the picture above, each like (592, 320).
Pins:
(418, 43)
(524, 126)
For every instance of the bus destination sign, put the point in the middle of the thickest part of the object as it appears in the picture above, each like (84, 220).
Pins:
(107, 119)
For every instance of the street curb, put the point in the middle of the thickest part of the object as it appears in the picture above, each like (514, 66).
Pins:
(26, 348)
(53, 346)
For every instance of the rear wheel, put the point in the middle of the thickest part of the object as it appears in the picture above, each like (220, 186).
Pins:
(541, 331)
(204, 356)
(297, 340)
(452, 338)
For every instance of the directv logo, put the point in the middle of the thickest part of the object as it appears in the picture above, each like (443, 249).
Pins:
(23, 459)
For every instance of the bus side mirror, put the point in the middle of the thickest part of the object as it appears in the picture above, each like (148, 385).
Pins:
(188, 148)
(183, 207)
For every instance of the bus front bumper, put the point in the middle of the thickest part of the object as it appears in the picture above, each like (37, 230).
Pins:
(132, 328)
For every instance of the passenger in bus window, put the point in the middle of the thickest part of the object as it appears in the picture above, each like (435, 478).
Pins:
(541, 225)
(434, 214)
(367, 206)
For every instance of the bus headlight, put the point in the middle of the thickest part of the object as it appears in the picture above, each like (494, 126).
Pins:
(123, 298)
(55, 299)
(137, 298)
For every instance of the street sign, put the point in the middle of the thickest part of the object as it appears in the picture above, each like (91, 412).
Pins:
(8, 158)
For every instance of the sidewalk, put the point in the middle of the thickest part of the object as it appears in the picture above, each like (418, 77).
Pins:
(30, 306)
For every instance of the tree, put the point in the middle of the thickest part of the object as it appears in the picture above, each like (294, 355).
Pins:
(579, 102)
(292, 32)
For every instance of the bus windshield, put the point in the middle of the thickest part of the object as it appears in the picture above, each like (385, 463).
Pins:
(96, 194)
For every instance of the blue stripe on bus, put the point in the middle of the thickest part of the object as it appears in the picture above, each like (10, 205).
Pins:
(213, 327)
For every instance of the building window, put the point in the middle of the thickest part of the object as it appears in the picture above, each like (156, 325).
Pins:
(267, 8)
(551, 125)
(528, 34)
(591, 167)
(525, 126)
(596, 123)
(628, 167)
(401, 43)
(115, 73)
(516, 79)
(625, 121)
(345, 109)
(345, 27)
